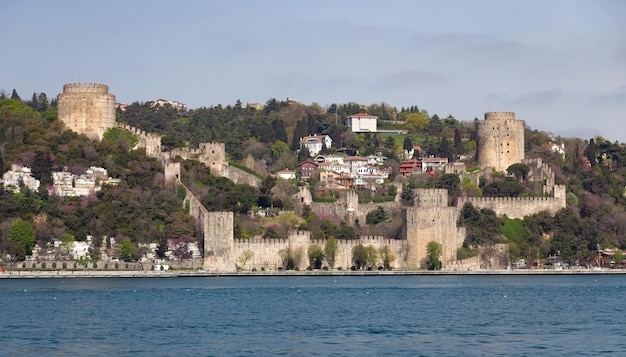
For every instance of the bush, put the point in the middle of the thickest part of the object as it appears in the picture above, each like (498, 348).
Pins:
(54, 265)
(43, 265)
(106, 265)
(64, 265)
(117, 265)
(34, 265)
(95, 265)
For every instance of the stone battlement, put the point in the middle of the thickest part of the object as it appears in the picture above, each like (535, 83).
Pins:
(87, 108)
(86, 88)
(500, 116)
(519, 207)
(137, 131)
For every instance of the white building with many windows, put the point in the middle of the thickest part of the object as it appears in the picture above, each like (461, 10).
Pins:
(315, 143)
(362, 123)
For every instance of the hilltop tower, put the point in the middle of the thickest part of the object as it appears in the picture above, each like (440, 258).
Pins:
(87, 108)
(500, 140)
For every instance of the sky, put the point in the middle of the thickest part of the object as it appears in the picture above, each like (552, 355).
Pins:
(560, 65)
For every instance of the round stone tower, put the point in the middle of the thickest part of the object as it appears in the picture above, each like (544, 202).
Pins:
(500, 140)
(87, 108)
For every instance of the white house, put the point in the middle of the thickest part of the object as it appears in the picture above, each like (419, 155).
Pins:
(286, 174)
(362, 123)
(315, 143)
(433, 163)
(11, 179)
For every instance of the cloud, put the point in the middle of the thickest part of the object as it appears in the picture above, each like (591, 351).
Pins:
(617, 96)
(543, 97)
(410, 78)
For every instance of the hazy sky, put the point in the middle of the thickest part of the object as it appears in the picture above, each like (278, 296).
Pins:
(560, 65)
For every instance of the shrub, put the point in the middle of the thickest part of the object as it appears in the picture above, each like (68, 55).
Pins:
(43, 265)
(64, 265)
(95, 265)
(54, 265)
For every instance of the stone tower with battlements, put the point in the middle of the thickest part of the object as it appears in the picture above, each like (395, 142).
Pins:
(87, 108)
(500, 140)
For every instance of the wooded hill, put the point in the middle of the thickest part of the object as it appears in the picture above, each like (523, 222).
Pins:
(142, 210)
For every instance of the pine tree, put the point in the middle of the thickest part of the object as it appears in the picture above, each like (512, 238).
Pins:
(458, 142)
(14, 95)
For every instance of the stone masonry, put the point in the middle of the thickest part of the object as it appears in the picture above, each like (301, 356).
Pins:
(87, 108)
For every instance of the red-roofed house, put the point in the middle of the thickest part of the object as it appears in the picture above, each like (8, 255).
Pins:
(409, 167)
(286, 174)
(307, 168)
(315, 143)
(362, 123)
(354, 162)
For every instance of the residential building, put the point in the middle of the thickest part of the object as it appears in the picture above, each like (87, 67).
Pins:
(410, 167)
(354, 162)
(362, 123)
(286, 174)
(433, 164)
(19, 174)
(315, 143)
(307, 168)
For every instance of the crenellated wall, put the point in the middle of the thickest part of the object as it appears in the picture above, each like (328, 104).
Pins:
(519, 207)
(266, 252)
(87, 108)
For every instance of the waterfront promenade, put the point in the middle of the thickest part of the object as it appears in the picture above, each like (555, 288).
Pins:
(65, 274)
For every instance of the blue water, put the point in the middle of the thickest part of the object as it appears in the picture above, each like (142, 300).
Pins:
(315, 316)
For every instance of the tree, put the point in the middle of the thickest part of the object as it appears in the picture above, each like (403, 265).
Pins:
(22, 233)
(416, 122)
(458, 142)
(445, 150)
(433, 250)
(42, 169)
(245, 257)
(359, 256)
(386, 256)
(316, 254)
(372, 256)
(330, 251)
(377, 216)
(503, 189)
(520, 171)
(407, 144)
(591, 152)
(127, 250)
(618, 257)
(68, 241)
(390, 143)
(14, 95)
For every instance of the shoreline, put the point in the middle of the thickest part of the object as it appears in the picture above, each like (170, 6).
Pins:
(30, 274)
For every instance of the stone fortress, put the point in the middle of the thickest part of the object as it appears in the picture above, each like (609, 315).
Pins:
(501, 139)
(87, 108)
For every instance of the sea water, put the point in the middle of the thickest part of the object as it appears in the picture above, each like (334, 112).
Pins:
(567, 315)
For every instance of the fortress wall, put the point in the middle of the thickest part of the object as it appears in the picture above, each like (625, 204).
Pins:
(87, 108)
(241, 177)
(519, 207)
(365, 208)
(472, 263)
(148, 141)
(422, 225)
(266, 252)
